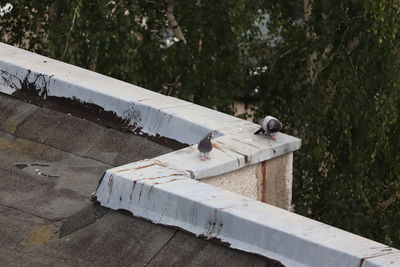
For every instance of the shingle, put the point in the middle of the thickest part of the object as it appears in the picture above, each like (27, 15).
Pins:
(186, 250)
(13, 113)
(50, 163)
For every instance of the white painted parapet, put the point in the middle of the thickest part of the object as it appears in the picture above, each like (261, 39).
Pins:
(24, 74)
(155, 190)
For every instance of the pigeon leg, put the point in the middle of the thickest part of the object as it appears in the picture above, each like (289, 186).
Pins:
(271, 136)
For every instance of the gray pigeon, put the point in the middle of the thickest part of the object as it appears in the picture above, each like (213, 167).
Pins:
(270, 125)
(205, 146)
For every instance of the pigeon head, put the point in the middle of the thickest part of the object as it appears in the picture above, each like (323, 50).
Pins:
(210, 135)
(274, 126)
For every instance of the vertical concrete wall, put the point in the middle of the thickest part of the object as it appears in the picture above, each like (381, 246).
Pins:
(275, 181)
(269, 181)
(243, 181)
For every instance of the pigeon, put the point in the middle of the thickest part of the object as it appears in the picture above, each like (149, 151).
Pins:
(205, 146)
(270, 125)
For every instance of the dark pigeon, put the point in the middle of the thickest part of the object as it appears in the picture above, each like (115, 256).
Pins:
(205, 146)
(270, 126)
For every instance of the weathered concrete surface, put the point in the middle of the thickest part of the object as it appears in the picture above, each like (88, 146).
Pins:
(269, 181)
(243, 181)
(50, 164)
(45, 181)
(12, 114)
(275, 178)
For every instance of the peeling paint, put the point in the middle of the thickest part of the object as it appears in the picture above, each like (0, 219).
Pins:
(39, 85)
(191, 173)
(132, 191)
(140, 193)
(110, 183)
(237, 221)
(35, 88)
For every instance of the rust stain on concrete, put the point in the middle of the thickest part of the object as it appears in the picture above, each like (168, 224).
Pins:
(263, 181)
(137, 168)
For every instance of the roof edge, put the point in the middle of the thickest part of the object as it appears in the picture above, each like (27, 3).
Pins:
(237, 221)
(30, 77)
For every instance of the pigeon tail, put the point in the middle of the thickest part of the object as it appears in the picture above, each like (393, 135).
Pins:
(260, 131)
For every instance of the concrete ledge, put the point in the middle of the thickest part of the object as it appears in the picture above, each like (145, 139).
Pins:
(234, 220)
(145, 111)
(114, 103)
(152, 112)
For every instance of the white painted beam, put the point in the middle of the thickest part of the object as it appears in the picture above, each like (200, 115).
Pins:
(242, 223)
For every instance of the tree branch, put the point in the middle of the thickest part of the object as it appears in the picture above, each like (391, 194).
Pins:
(172, 21)
(383, 206)
(175, 82)
(69, 32)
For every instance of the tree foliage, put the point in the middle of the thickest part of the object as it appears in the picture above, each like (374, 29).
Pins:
(328, 69)
(334, 77)
(125, 39)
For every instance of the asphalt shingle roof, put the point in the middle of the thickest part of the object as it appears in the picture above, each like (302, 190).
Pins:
(50, 163)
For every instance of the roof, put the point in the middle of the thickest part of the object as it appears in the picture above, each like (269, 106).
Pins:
(51, 163)
(163, 189)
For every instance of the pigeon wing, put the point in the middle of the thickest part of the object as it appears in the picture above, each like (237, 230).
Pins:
(205, 146)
